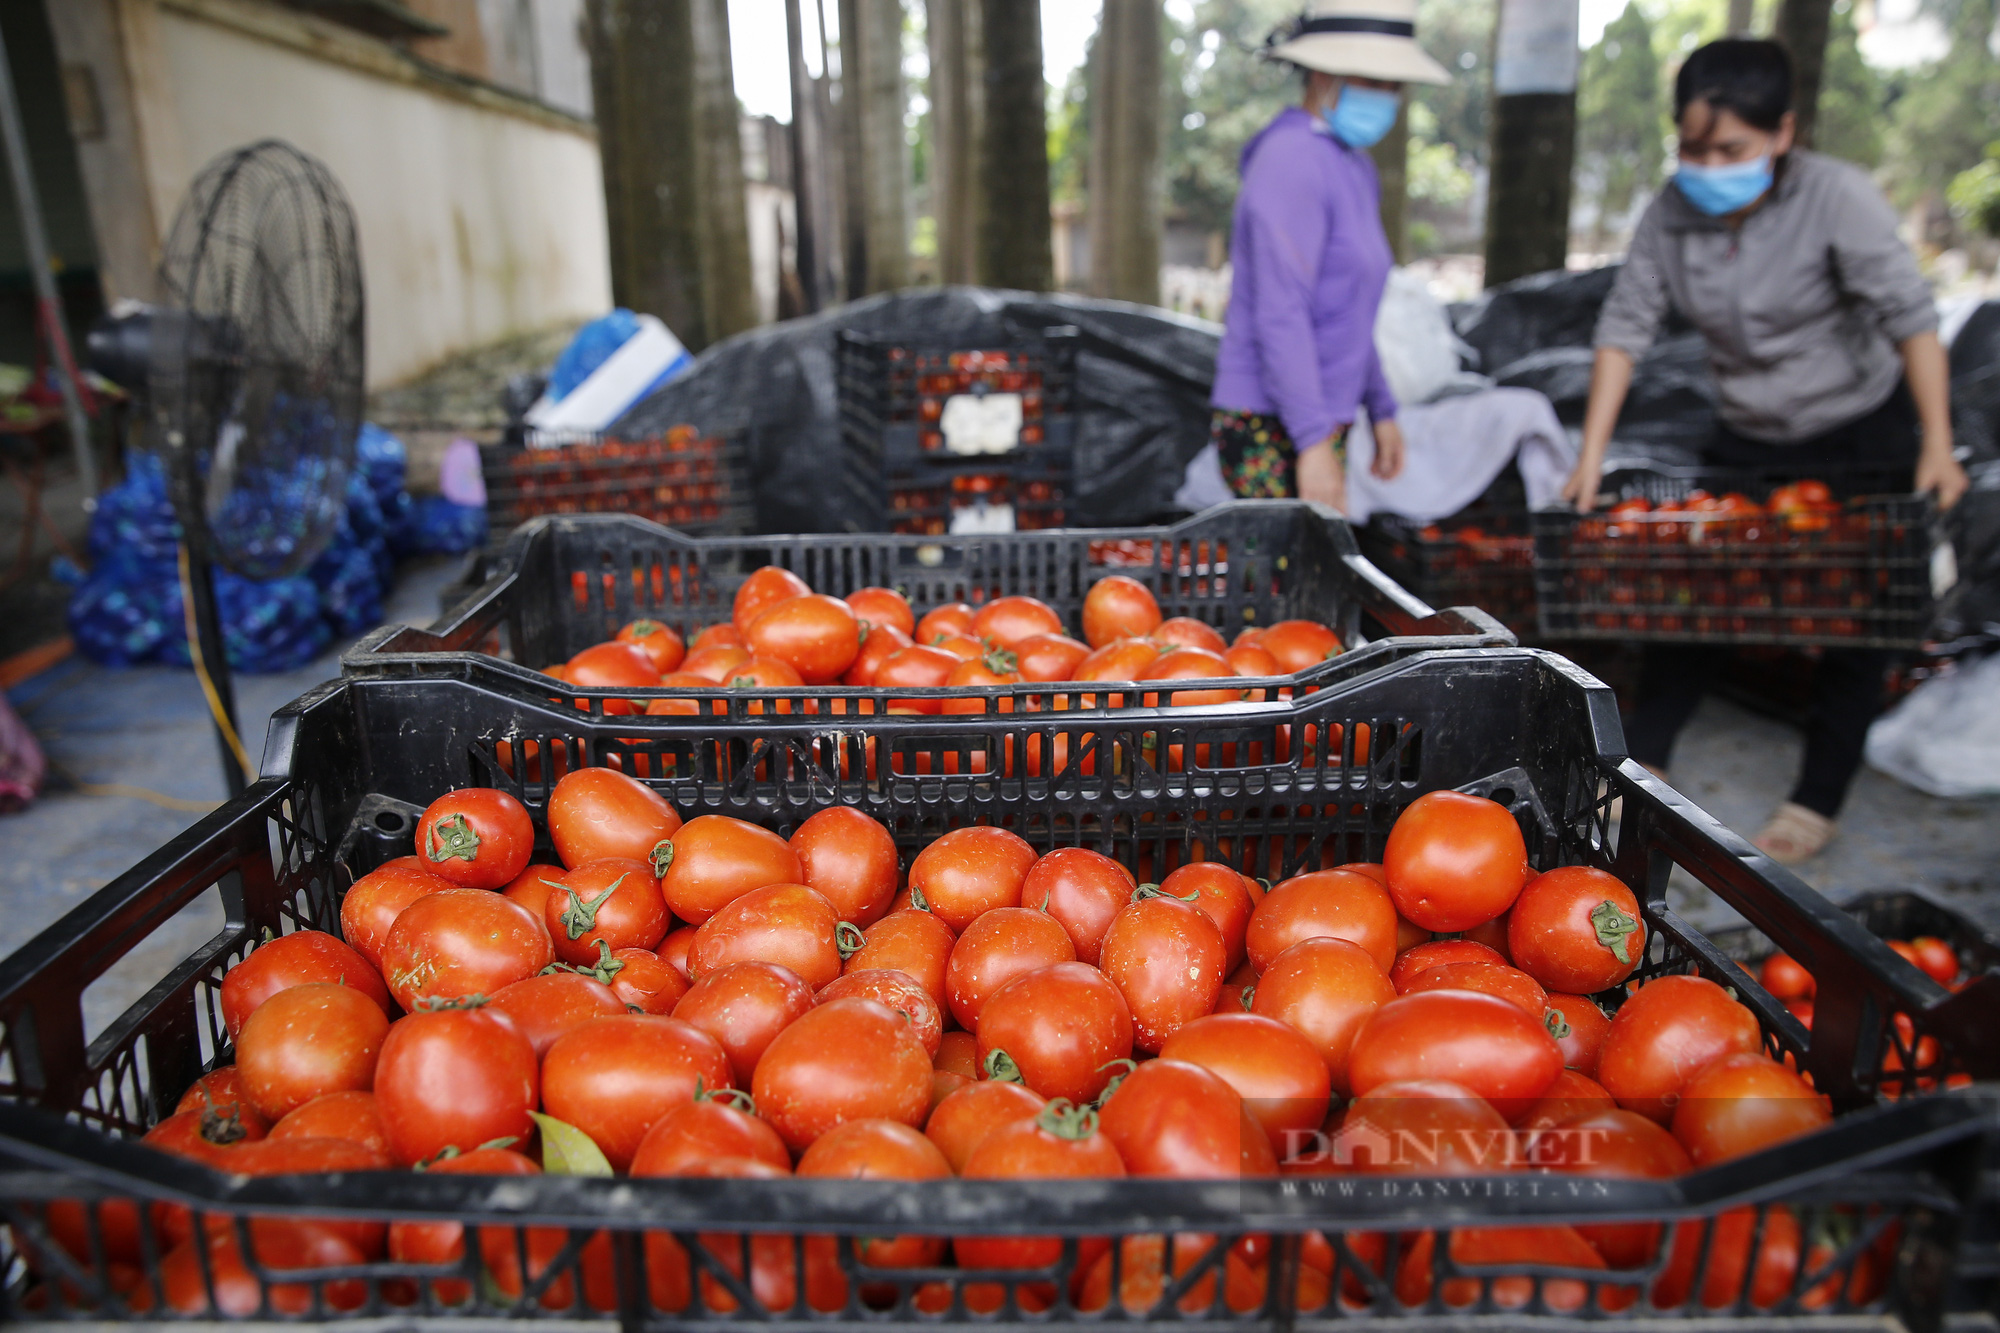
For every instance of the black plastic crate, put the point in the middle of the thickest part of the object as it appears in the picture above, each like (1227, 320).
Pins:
(1867, 575)
(1895, 914)
(348, 766)
(564, 584)
(1483, 557)
(699, 484)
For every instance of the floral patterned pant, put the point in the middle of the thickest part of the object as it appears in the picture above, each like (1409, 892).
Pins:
(1257, 454)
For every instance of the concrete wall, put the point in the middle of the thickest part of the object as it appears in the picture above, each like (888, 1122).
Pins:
(481, 213)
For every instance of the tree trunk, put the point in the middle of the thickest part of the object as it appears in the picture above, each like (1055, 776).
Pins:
(1125, 171)
(1534, 138)
(1014, 224)
(1392, 167)
(958, 98)
(1741, 14)
(673, 164)
(1801, 27)
(878, 164)
(808, 182)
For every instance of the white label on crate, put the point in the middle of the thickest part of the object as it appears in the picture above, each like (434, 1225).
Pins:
(1944, 569)
(981, 423)
(975, 520)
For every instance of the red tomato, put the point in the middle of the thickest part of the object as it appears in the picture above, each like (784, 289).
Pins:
(1436, 953)
(1277, 1071)
(881, 643)
(351, 1115)
(1499, 1246)
(216, 1263)
(715, 636)
(1479, 1041)
(899, 991)
(959, 1053)
(918, 667)
(611, 666)
(660, 641)
(1062, 1028)
(614, 1077)
(1169, 1118)
(909, 941)
(718, 1123)
(1785, 979)
(1937, 958)
(477, 838)
(1227, 898)
(376, 900)
(1190, 664)
(462, 942)
(969, 871)
(1337, 903)
(547, 1006)
(307, 1041)
(221, 1091)
(764, 589)
(454, 1078)
(1622, 1145)
(532, 887)
(1187, 632)
(1509, 983)
(1576, 929)
(1571, 1097)
(1299, 644)
(773, 1259)
(744, 1006)
(500, 1247)
(1770, 1277)
(1425, 1127)
(298, 959)
(883, 608)
(851, 860)
(869, 1150)
(673, 950)
(717, 859)
(844, 1060)
(1580, 1028)
(786, 924)
(596, 813)
(998, 946)
(1327, 989)
(1082, 890)
(1117, 607)
(995, 667)
(817, 636)
(1249, 659)
(647, 982)
(1167, 959)
(1061, 1142)
(1455, 861)
(717, 665)
(1007, 620)
(944, 622)
(612, 902)
(1741, 1103)
(1665, 1034)
(963, 1119)
(1049, 656)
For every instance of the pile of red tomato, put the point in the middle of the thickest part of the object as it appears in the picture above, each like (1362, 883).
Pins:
(781, 634)
(675, 478)
(707, 998)
(1781, 975)
(1728, 565)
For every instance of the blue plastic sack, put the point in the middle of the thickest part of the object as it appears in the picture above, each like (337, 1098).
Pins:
(135, 518)
(592, 347)
(437, 526)
(120, 617)
(270, 626)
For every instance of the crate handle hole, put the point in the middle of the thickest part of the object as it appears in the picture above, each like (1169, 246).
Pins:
(1503, 795)
(392, 821)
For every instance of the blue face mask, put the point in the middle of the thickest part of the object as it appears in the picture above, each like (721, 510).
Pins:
(1361, 116)
(1718, 191)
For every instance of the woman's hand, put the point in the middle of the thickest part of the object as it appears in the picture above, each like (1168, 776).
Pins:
(1320, 475)
(1938, 471)
(1389, 454)
(1581, 488)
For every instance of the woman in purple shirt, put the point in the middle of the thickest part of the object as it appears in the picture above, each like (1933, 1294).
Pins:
(1310, 260)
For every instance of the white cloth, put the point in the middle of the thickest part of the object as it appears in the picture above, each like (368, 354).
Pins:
(1454, 448)
(1945, 737)
(1421, 356)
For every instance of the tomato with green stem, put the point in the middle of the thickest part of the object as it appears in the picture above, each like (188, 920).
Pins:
(1167, 959)
(613, 1078)
(599, 813)
(1576, 929)
(1060, 1030)
(787, 924)
(613, 902)
(300, 958)
(455, 1076)
(849, 1059)
(476, 837)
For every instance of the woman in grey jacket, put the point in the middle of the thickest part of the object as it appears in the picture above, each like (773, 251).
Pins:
(1823, 339)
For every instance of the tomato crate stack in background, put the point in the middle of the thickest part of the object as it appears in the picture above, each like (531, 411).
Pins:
(1891, 1207)
(696, 483)
(1770, 557)
(1482, 556)
(963, 440)
(564, 584)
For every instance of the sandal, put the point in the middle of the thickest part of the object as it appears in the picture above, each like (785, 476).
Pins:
(1794, 834)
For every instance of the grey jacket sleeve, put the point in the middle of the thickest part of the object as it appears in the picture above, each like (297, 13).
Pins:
(1638, 300)
(1871, 262)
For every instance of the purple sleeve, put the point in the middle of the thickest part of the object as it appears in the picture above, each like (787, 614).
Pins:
(1376, 394)
(1287, 221)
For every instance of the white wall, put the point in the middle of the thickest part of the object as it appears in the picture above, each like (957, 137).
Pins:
(475, 223)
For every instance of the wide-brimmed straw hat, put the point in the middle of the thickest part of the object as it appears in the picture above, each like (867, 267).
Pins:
(1370, 39)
